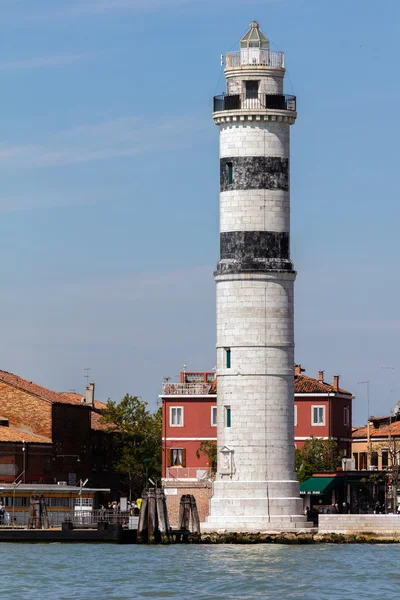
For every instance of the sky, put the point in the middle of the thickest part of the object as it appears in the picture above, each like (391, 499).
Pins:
(109, 190)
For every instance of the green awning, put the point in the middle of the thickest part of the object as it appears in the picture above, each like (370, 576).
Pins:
(317, 485)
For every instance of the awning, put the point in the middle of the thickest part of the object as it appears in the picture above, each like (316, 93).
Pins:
(318, 485)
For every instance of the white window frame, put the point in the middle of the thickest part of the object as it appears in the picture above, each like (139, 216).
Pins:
(295, 415)
(213, 410)
(346, 416)
(313, 424)
(172, 408)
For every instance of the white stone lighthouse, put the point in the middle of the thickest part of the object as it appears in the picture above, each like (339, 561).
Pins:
(256, 486)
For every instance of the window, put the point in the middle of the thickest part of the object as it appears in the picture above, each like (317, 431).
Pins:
(176, 457)
(295, 415)
(346, 416)
(385, 459)
(228, 358)
(251, 89)
(176, 416)
(229, 167)
(214, 416)
(374, 459)
(355, 457)
(363, 461)
(227, 416)
(318, 415)
(59, 502)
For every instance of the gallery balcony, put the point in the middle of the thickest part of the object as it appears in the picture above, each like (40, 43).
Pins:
(257, 102)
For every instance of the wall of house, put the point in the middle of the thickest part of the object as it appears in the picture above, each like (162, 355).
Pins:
(25, 411)
(71, 437)
(37, 463)
(196, 426)
(334, 420)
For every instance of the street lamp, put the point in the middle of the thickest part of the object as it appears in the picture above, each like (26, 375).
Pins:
(23, 460)
(146, 462)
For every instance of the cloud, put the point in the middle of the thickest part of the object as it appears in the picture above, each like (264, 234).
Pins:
(117, 138)
(42, 62)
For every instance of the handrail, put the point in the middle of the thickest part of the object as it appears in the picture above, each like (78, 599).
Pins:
(263, 57)
(256, 102)
(186, 389)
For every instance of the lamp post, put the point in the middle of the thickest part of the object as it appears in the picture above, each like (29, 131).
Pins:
(146, 462)
(23, 460)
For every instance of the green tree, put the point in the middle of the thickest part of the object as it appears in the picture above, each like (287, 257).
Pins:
(209, 449)
(317, 456)
(137, 433)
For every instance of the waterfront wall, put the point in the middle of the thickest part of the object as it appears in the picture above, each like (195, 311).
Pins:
(174, 490)
(360, 524)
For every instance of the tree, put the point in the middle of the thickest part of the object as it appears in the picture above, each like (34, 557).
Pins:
(137, 433)
(209, 449)
(317, 456)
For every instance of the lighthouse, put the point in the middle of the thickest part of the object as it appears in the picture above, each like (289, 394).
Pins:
(256, 487)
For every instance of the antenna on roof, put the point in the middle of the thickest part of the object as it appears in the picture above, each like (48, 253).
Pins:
(87, 375)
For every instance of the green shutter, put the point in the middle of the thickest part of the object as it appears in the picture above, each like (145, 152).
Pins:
(228, 416)
(228, 358)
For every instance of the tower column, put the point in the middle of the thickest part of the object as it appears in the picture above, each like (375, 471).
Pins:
(256, 487)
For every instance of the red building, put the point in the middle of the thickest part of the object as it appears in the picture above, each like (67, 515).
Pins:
(321, 410)
(189, 415)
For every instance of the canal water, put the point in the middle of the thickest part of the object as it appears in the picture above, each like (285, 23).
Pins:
(85, 572)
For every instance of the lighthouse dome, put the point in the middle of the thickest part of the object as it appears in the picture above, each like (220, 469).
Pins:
(254, 38)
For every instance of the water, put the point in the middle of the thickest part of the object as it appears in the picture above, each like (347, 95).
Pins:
(86, 572)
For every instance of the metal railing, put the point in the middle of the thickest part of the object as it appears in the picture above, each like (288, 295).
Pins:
(186, 389)
(256, 102)
(92, 517)
(263, 57)
(201, 474)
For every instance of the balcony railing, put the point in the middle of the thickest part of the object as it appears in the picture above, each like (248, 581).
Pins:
(186, 389)
(263, 57)
(256, 102)
(201, 474)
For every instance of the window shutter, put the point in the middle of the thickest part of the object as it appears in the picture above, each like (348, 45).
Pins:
(168, 451)
(184, 457)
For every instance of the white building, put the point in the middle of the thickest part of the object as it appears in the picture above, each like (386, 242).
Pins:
(256, 487)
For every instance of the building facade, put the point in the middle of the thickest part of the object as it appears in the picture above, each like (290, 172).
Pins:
(189, 418)
(256, 486)
(189, 412)
(322, 410)
(53, 436)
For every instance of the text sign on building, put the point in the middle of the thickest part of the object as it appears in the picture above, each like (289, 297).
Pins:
(170, 491)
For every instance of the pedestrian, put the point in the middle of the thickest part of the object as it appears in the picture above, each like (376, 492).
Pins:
(307, 511)
(2, 511)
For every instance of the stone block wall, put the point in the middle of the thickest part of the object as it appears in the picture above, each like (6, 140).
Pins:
(360, 524)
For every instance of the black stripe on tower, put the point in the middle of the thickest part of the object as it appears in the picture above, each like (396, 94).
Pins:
(254, 251)
(254, 173)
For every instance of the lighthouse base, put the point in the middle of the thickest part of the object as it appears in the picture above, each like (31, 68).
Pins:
(255, 507)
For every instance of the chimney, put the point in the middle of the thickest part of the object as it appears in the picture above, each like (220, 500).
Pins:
(90, 394)
(336, 383)
(321, 376)
(297, 370)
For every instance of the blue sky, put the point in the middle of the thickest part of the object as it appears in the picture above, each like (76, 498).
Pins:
(109, 188)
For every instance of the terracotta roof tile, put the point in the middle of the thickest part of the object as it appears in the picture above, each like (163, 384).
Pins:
(302, 385)
(382, 431)
(307, 385)
(53, 397)
(10, 434)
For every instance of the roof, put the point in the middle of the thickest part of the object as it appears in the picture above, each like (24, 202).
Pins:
(302, 385)
(54, 397)
(10, 434)
(391, 429)
(307, 385)
(254, 37)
